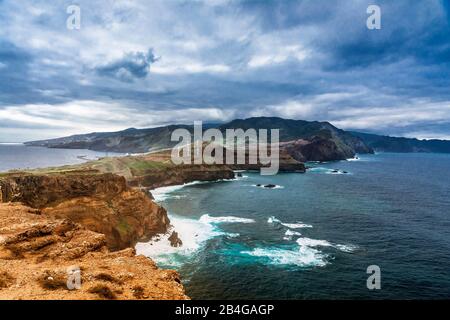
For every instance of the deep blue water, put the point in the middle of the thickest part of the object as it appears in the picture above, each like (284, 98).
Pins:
(19, 156)
(311, 238)
(390, 210)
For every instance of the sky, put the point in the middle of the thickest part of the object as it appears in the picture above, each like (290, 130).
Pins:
(149, 63)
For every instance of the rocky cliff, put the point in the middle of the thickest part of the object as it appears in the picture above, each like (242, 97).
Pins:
(317, 149)
(39, 254)
(103, 203)
(181, 174)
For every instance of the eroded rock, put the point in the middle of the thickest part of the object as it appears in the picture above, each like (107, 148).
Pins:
(37, 252)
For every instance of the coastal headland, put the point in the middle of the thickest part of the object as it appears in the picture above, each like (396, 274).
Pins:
(90, 216)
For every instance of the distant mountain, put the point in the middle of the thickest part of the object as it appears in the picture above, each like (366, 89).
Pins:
(127, 141)
(397, 144)
(306, 140)
(291, 130)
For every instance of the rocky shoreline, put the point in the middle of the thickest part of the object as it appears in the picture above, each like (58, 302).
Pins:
(53, 219)
(91, 216)
(38, 254)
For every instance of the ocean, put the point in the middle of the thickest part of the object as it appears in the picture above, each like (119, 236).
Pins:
(314, 236)
(311, 237)
(19, 156)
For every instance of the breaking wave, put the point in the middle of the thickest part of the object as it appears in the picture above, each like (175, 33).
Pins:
(311, 243)
(230, 219)
(289, 234)
(193, 233)
(297, 225)
(162, 193)
(302, 257)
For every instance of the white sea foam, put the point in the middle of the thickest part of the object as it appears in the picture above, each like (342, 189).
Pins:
(346, 247)
(327, 170)
(332, 171)
(272, 219)
(307, 242)
(306, 254)
(229, 219)
(242, 175)
(193, 233)
(313, 242)
(297, 225)
(162, 193)
(233, 235)
(303, 257)
(292, 233)
(289, 234)
(318, 169)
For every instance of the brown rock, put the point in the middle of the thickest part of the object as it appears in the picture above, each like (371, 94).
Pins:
(174, 240)
(37, 251)
(101, 202)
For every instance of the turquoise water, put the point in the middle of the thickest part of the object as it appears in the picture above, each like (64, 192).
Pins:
(314, 236)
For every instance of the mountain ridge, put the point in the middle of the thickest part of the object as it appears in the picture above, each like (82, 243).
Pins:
(334, 143)
(134, 140)
(384, 143)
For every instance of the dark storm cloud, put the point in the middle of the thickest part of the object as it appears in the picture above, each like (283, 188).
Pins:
(300, 59)
(132, 65)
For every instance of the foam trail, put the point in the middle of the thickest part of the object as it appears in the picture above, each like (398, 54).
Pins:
(303, 257)
(289, 234)
(272, 219)
(346, 247)
(307, 242)
(229, 219)
(162, 193)
(297, 225)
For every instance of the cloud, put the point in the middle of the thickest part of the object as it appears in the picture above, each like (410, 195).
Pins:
(189, 67)
(84, 116)
(223, 59)
(277, 56)
(132, 65)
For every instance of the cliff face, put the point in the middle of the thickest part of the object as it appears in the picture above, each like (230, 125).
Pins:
(181, 174)
(317, 149)
(37, 253)
(101, 202)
